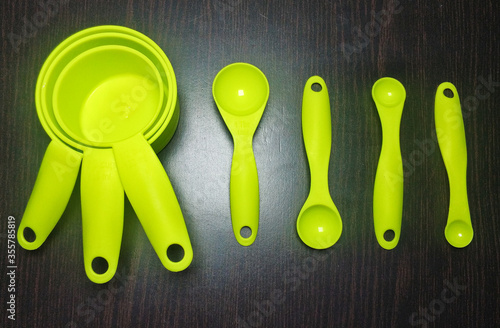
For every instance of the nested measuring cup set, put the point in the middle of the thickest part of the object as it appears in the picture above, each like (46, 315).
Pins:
(107, 97)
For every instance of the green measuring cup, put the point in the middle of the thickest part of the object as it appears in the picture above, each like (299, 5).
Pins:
(99, 172)
(158, 133)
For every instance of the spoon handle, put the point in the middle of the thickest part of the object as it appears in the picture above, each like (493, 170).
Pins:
(451, 138)
(388, 194)
(317, 133)
(244, 191)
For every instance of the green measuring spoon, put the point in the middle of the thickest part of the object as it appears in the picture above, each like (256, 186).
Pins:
(451, 138)
(319, 224)
(389, 96)
(241, 91)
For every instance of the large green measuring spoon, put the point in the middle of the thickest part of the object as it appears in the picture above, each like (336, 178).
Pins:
(451, 137)
(241, 91)
(389, 96)
(319, 224)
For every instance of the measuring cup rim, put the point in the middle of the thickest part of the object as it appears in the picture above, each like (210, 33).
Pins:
(82, 56)
(87, 35)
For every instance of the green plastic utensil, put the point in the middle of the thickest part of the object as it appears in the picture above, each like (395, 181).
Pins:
(123, 88)
(389, 96)
(241, 91)
(451, 138)
(121, 94)
(319, 224)
(101, 185)
(160, 132)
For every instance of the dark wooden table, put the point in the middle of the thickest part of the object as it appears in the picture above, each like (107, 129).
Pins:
(278, 281)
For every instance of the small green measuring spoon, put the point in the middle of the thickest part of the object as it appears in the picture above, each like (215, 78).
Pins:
(240, 91)
(319, 224)
(451, 138)
(389, 96)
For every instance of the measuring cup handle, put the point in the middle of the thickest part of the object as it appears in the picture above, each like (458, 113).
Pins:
(151, 194)
(244, 191)
(102, 214)
(53, 187)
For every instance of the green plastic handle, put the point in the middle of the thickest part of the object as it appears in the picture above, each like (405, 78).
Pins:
(151, 194)
(317, 133)
(53, 187)
(388, 194)
(102, 214)
(244, 190)
(451, 138)
(388, 186)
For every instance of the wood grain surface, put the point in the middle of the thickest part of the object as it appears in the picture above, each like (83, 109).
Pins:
(278, 281)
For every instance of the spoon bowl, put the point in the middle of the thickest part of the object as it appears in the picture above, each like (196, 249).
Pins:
(459, 233)
(240, 96)
(388, 92)
(319, 225)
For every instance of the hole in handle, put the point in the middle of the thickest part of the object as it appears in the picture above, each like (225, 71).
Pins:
(316, 87)
(246, 232)
(29, 235)
(100, 265)
(389, 235)
(448, 93)
(175, 252)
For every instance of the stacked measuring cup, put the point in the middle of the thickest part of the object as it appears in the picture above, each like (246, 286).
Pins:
(107, 97)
